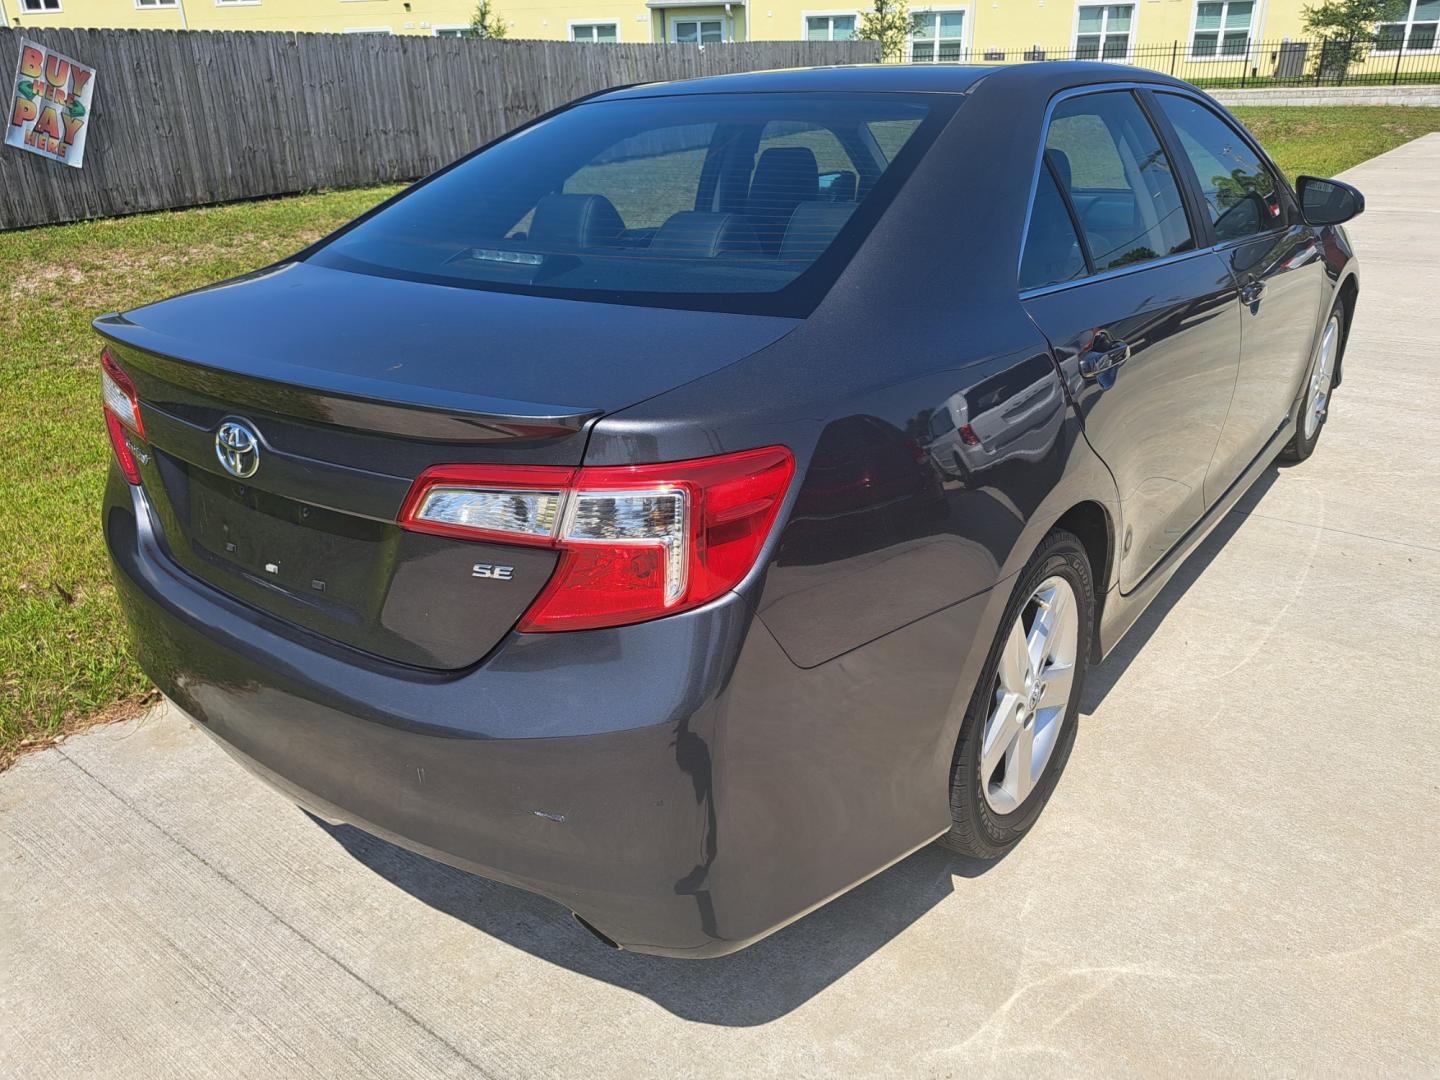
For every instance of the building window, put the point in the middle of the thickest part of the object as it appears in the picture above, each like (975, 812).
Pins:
(829, 27)
(1417, 32)
(39, 5)
(156, 3)
(236, 3)
(461, 31)
(605, 32)
(1102, 32)
(699, 31)
(1222, 28)
(937, 35)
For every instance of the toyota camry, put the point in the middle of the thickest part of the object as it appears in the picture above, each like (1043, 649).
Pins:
(696, 500)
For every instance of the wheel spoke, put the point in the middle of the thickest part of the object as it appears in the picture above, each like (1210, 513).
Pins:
(1000, 733)
(1058, 679)
(1015, 663)
(1018, 765)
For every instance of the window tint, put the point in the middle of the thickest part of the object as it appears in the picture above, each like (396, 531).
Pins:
(1107, 155)
(647, 177)
(891, 135)
(699, 200)
(1052, 251)
(1241, 195)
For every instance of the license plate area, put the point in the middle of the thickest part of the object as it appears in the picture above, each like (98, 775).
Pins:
(324, 556)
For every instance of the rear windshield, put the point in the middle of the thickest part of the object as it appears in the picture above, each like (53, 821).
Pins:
(724, 201)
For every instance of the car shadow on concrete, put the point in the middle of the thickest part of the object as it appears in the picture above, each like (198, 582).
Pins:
(1101, 678)
(777, 974)
(754, 986)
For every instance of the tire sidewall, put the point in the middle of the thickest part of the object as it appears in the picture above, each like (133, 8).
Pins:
(1300, 447)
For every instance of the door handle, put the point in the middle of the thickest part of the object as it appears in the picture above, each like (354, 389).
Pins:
(1096, 362)
(1251, 292)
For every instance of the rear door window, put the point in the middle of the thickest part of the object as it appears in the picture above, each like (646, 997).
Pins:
(1242, 196)
(1119, 180)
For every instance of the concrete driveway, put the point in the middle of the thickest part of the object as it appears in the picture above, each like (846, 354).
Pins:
(1239, 873)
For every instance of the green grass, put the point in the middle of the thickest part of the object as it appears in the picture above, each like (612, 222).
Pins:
(63, 658)
(1323, 140)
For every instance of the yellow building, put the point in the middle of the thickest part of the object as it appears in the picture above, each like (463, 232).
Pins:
(1139, 31)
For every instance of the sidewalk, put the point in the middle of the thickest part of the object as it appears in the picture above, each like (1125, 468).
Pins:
(1238, 873)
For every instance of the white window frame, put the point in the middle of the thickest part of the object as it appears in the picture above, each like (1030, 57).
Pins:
(368, 30)
(967, 25)
(56, 10)
(674, 35)
(439, 29)
(157, 5)
(1195, 58)
(570, 29)
(237, 3)
(1408, 23)
(1100, 57)
(832, 15)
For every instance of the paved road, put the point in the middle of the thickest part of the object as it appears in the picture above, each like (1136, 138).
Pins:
(1240, 872)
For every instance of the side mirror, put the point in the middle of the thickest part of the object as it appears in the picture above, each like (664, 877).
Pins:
(1328, 202)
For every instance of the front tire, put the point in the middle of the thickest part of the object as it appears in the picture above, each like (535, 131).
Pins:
(1314, 404)
(1021, 721)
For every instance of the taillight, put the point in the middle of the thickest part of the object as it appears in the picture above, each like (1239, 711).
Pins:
(122, 414)
(636, 542)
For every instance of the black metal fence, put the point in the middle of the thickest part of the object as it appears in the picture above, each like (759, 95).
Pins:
(1228, 64)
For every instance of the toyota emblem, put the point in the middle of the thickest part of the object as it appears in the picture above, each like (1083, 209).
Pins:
(238, 448)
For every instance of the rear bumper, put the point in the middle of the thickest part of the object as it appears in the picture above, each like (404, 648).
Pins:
(679, 784)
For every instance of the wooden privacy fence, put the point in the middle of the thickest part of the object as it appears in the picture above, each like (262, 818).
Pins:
(187, 118)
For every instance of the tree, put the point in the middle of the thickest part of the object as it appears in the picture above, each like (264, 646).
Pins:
(889, 25)
(486, 22)
(1347, 28)
(1351, 20)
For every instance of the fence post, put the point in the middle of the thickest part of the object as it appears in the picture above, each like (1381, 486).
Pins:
(1395, 79)
(1245, 64)
(1174, 55)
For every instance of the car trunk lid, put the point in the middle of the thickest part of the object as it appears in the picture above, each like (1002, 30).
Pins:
(351, 386)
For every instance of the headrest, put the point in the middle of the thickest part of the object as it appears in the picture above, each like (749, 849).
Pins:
(784, 176)
(694, 234)
(576, 221)
(812, 227)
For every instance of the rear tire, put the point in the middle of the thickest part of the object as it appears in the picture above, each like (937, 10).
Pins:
(1026, 703)
(1314, 404)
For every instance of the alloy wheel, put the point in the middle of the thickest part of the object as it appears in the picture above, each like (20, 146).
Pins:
(1321, 381)
(1032, 694)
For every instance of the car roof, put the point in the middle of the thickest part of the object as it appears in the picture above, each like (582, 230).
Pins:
(896, 78)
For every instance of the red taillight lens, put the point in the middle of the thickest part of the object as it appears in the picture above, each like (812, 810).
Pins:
(636, 542)
(122, 414)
